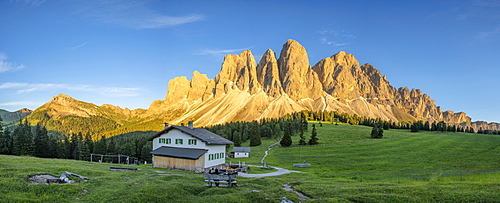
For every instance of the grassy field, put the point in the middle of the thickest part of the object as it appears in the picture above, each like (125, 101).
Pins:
(347, 166)
(146, 185)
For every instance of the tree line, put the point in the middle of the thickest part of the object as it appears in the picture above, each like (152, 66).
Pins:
(414, 126)
(26, 140)
(269, 128)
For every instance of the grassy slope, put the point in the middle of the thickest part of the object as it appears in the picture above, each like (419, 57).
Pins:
(351, 167)
(387, 170)
(146, 185)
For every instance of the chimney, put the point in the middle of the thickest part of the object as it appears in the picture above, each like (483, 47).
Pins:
(166, 125)
(190, 124)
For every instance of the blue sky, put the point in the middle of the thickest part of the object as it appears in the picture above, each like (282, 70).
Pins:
(125, 52)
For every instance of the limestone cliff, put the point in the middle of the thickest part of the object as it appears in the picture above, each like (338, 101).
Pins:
(297, 78)
(244, 91)
(268, 74)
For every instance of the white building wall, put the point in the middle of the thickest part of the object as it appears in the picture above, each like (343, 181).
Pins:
(241, 154)
(177, 134)
(215, 149)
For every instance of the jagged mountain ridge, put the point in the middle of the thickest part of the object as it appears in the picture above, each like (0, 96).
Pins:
(245, 90)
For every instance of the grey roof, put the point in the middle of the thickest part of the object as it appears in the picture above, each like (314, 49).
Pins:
(241, 149)
(186, 153)
(200, 133)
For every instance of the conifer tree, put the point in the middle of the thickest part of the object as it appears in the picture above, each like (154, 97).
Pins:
(377, 132)
(286, 141)
(68, 153)
(23, 139)
(427, 126)
(414, 127)
(3, 140)
(41, 142)
(255, 139)
(237, 139)
(302, 140)
(314, 136)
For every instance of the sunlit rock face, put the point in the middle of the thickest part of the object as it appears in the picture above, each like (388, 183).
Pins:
(298, 80)
(246, 91)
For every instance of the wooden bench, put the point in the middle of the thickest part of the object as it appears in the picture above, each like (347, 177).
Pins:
(216, 179)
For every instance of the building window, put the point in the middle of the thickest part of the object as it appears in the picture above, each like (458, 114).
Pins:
(192, 142)
(216, 156)
(165, 140)
(178, 141)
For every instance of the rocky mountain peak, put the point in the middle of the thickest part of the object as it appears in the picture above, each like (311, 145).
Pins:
(268, 74)
(345, 59)
(297, 78)
(237, 72)
(177, 89)
(62, 98)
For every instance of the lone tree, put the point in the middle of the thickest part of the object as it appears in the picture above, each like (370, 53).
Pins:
(314, 138)
(377, 132)
(287, 140)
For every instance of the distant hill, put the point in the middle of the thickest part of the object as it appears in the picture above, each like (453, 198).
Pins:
(70, 116)
(13, 117)
(245, 90)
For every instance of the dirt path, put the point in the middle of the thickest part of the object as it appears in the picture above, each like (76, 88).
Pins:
(268, 148)
(280, 171)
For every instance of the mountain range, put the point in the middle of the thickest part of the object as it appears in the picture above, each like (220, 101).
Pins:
(245, 90)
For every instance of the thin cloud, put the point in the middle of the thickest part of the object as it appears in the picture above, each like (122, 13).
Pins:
(6, 66)
(133, 14)
(79, 46)
(324, 40)
(167, 21)
(32, 3)
(334, 37)
(336, 33)
(489, 34)
(21, 103)
(26, 88)
(219, 52)
(487, 3)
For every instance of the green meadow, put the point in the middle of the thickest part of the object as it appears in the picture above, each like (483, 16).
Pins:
(347, 166)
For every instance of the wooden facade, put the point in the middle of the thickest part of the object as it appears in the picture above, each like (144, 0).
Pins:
(178, 163)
